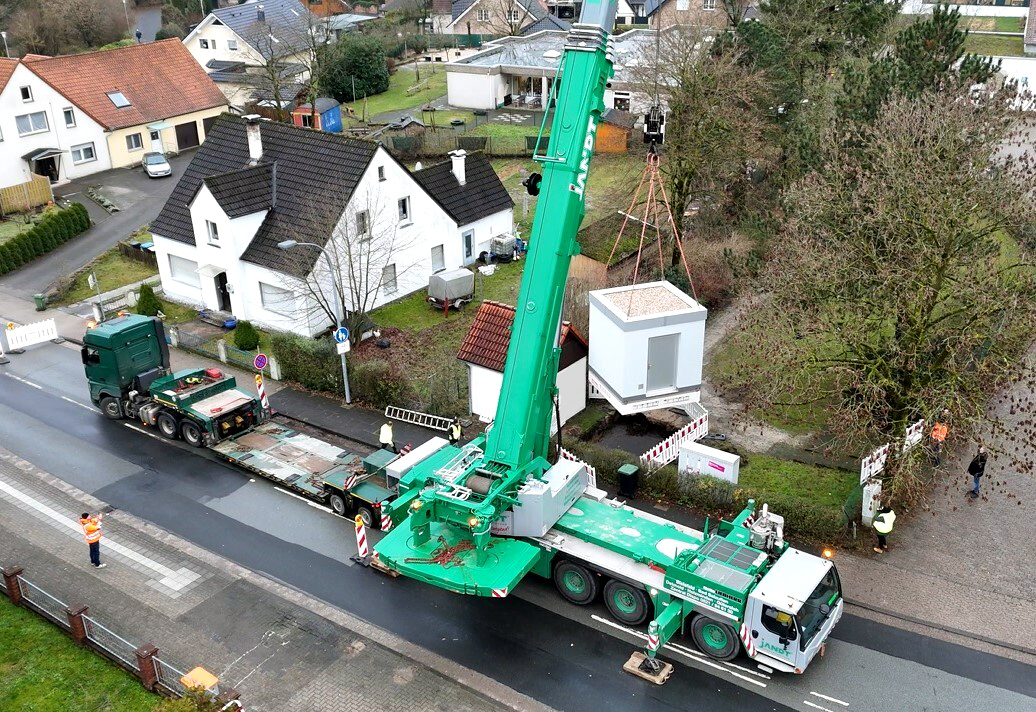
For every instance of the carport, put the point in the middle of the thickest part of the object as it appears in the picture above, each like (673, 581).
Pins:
(45, 162)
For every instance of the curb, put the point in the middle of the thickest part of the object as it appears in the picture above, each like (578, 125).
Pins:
(477, 683)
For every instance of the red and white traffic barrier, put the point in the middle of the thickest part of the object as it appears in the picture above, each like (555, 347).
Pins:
(669, 449)
(262, 391)
(362, 550)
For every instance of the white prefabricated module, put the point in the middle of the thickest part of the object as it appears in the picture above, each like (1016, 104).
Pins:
(698, 459)
(646, 346)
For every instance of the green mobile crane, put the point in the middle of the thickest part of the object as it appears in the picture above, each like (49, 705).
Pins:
(477, 519)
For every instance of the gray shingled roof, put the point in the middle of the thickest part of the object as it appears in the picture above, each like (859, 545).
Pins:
(244, 191)
(323, 104)
(547, 23)
(537, 11)
(286, 20)
(316, 175)
(482, 193)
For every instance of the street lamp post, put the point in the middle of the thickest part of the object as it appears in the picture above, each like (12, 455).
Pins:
(339, 310)
(7, 52)
(125, 9)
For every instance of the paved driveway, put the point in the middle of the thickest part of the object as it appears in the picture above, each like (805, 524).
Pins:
(139, 199)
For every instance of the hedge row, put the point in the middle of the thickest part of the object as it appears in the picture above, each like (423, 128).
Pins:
(718, 498)
(55, 228)
(311, 363)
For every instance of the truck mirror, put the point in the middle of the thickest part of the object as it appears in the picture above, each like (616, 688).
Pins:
(89, 356)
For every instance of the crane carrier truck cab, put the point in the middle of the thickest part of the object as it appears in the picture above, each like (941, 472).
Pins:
(126, 361)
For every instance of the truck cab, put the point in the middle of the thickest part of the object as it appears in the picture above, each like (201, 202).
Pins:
(792, 610)
(123, 355)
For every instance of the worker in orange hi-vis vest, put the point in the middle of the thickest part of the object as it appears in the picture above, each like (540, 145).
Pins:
(939, 432)
(92, 531)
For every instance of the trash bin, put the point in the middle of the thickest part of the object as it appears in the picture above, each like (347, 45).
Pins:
(41, 301)
(629, 480)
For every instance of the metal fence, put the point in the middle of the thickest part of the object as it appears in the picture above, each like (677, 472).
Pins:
(169, 677)
(42, 602)
(110, 642)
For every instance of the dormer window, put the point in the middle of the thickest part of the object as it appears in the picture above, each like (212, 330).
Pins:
(119, 99)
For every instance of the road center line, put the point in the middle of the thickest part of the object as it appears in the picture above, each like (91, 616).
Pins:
(25, 381)
(822, 709)
(829, 699)
(139, 429)
(315, 505)
(175, 580)
(73, 401)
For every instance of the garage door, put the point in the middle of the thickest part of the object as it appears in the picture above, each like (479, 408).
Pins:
(187, 135)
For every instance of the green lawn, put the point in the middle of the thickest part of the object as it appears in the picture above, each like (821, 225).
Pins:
(994, 24)
(11, 228)
(42, 670)
(821, 485)
(396, 98)
(994, 45)
(499, 130)
(176, 313)
(113, 270)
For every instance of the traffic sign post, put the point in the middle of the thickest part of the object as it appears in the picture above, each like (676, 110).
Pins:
(341, 337)
(260, 362)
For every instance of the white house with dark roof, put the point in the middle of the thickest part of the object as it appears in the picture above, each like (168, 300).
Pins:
(254, 184)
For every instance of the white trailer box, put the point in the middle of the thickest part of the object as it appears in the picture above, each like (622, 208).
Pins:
(646, 346)
(697, 459)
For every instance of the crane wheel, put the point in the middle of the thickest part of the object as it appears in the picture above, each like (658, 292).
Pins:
(626, 603)
(111, 408)
(167, 425)
(575, 582)
(714, 638)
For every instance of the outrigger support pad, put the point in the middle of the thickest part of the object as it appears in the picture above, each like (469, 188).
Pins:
(651, 669)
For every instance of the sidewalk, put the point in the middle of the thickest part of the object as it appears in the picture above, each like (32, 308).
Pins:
(279, 649)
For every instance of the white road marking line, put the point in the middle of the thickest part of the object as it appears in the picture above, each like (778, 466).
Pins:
(829, 699)
(73, 401)
(680, 650)
(139, 429)
(823, 709)
(750, 672)
(311, 503)
(176, 580)
(25, 381)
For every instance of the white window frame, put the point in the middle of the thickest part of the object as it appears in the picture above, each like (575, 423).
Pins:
(441, 250)
(273, 299)
(514, 16)
(140, 142)
(403, 208)
(188, 267)
(79, 148)
(481, 15)
(363, 224)
(381, 173)
(203, 43)
(69, 113)
(212, 231)
(708, 4)
(389, 285)
(307, 120)
(212, 44)
(46, 123)
(232, 45)
(23, 91)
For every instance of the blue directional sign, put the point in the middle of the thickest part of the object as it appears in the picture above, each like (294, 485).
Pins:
(342, 335)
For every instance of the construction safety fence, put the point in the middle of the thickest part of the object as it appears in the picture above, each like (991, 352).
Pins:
(157, 674)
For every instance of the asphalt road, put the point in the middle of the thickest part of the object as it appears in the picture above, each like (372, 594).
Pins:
(139, 198)
(565, 656)
(148, 21)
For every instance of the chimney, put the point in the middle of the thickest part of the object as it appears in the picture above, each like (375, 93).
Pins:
(260, 14)
(255, 138)
(458, 164)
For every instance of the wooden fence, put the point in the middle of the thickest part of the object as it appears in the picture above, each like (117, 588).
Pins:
(135, 253)
(25, 196)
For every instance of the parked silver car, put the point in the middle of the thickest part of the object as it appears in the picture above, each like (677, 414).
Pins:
(155, 165)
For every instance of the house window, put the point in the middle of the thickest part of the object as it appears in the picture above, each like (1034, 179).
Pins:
(133, 142)
(404, 209)
(307, 121)
(276, 300)
(363, 223)
(204, 44)
(83, 153)
(438, 259)
(184, 271)
(709, 4)
(119, 99)
(33, 123)
(622, 100)
(469, 243)
(381, 172)
(212, 44)
(388, 278)
(516, 16)
(26, 93)
(213, 232)
(232, 45)
(482, 15)
(70, 117)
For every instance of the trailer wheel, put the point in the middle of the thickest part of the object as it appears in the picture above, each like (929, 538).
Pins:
(337, 503)
(111, 408)
(366, 515)
(714, 638)
(626, 603)
(575, 583)
(167, 425)
(191, 433)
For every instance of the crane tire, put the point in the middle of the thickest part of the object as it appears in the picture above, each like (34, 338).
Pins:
(576, 583)
(716, 639)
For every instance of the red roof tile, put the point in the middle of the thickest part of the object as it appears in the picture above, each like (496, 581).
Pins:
(161, 80)
(490, 335)
(6, 70)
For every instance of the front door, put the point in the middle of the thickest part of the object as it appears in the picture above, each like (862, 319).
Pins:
(156, 142)
(661, 362)
(469, 245)
(773, 631)
(222, 293)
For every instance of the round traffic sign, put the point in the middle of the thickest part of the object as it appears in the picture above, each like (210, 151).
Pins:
(342, 335)
(260, 361)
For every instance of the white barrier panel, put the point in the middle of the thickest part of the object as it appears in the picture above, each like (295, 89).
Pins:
(31, 334)
(874, 463)
(669, 449)
(698, 459)
(590, 471)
